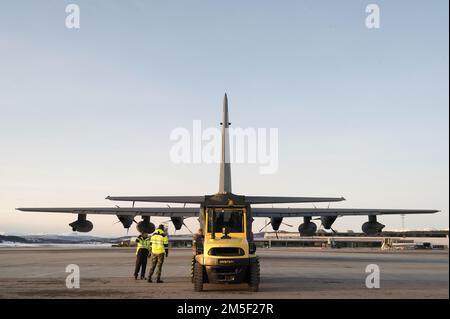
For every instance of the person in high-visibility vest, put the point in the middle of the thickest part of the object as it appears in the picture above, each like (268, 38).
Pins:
(142, 252)
(160, 246)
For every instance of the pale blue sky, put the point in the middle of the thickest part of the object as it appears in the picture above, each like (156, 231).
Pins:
(87, 113)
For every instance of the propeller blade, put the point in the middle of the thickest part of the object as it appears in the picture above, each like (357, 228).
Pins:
(287, 224)
(265, 226)
(187, 228)
(276, 234)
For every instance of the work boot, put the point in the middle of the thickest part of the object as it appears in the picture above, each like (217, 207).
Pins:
(143, 278)
(135, 277)
(159, 281)
(149, 280)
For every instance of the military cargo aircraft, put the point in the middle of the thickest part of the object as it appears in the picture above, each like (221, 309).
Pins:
(226, 197)
(226, 219)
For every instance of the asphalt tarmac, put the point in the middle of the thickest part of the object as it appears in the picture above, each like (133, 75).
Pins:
(285, 273)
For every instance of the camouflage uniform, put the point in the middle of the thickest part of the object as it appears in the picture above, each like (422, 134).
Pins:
(159, 244)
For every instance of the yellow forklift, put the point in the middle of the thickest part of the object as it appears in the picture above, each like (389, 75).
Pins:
(227, 255)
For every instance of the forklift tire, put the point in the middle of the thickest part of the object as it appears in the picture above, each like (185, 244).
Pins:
(198, 277)
(253, 276)
(192, 268)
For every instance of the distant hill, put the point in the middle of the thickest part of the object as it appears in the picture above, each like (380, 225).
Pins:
(13, 239)
(59, 239)
(77, 239)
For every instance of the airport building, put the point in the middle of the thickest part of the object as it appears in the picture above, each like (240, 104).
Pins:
(436, 239)
(420, 239)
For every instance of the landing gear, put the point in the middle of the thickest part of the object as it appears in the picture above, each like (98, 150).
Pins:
(253, 275)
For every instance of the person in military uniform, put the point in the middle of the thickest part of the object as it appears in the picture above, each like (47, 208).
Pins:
(160, 247)
(197, 242)
(142, 252)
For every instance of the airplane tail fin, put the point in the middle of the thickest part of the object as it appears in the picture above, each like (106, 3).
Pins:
(225, 168)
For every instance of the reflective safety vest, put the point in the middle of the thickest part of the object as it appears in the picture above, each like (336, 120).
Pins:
(159, 242)
(142, 243)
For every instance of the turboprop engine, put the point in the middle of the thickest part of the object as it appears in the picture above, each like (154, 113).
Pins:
(308, 228)
(126, 220)
(372, 227)
(327, 221)
(81, 225)
(276, 222)
(177, 222)
(145, 226)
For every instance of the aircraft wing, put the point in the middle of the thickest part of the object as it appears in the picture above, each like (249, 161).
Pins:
(305, 212)
(122, 211)
(278, 199)
(160, 199)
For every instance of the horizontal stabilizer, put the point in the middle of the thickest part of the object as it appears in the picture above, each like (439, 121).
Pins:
(160, 199)
(280, 200)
